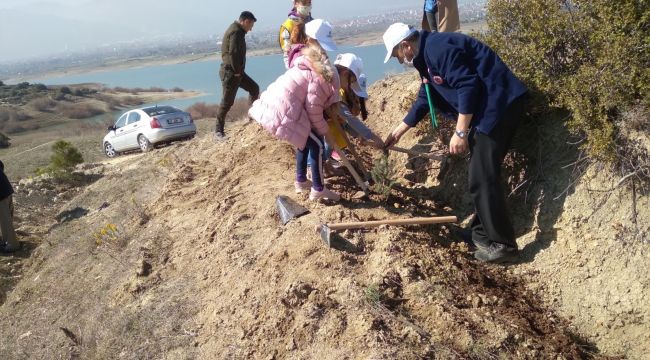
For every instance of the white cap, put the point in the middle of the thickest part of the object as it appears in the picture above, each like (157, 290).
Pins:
(354, 64)
(321, 30)
(394, 35)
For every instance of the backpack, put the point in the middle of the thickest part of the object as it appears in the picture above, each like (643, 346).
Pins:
(288, 26)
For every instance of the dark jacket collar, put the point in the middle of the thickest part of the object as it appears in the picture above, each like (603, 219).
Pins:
(419, 62)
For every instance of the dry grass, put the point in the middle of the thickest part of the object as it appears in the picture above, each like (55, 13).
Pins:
(202, 110)
(12, 115)
(137, 90)
(44, 104)
(79, 111)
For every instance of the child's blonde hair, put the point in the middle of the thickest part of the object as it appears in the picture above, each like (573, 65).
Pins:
(319, 61)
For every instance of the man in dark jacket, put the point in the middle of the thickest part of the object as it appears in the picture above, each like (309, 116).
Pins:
(468, 79)
(233, 77)
(9, 242)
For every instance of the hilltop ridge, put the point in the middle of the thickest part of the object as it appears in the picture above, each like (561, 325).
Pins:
(179, 254)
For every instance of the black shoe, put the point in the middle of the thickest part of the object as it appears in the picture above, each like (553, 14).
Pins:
(219, 136)
(466, 236)
(5, 249)
(498, 254)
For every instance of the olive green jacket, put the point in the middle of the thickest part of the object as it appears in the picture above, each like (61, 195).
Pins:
(233, 48)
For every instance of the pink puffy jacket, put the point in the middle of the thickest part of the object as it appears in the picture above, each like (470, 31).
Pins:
(293, 105)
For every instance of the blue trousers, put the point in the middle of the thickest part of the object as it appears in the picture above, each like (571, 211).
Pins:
(312, 153)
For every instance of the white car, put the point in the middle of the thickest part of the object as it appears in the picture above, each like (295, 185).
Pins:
(143, 128)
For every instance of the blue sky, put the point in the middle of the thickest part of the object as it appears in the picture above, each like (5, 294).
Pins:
(36, 28)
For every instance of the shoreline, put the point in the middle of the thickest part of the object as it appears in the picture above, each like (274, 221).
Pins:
(359, 40)
(368, 39)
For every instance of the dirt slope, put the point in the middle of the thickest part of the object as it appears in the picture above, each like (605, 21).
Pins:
(180, 255)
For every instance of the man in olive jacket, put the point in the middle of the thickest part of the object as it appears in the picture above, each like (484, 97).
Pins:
(233, 77)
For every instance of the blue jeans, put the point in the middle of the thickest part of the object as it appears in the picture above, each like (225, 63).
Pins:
(312, 154)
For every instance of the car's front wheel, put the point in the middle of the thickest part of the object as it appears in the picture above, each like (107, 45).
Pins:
(109, 150)
(144, 143)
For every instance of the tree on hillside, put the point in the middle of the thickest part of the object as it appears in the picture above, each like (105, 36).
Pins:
(63, 160)
(65, 156)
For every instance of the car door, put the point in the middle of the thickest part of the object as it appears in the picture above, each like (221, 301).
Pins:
(118, 141)
(132, 129)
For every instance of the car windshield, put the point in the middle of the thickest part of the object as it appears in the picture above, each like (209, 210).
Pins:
(160, 110)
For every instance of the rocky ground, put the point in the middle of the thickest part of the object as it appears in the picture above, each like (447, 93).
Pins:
(179, 253)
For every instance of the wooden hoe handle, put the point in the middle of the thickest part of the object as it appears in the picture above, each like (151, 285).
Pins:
(411, 221)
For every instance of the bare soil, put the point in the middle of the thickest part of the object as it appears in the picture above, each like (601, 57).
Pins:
(199, 266)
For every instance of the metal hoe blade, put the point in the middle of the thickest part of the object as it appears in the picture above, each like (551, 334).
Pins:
(325, 234)
(288, 209)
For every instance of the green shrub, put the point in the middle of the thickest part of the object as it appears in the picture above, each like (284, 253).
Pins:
(65, 156)
(40, 87)
(63, 160)
(383, 173)
(591, 57)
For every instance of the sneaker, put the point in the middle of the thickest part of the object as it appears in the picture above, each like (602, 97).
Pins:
(219, 136)
(302, 186)
(498, 254)
(325, 194)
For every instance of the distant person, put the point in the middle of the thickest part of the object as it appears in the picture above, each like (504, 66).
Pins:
(233, 77)
(299, 40)
(448, 17)
(292, 108)
(9, 243)
(429, 16)
(300, 14)
(467, 78)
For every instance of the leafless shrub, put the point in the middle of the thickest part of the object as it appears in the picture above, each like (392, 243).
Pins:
(120, 89)
(141, 90)
(12, 115)
(202, 110)
(112, 102)
(79, 111)
(239, 110)
(43, 104)
(131, 101)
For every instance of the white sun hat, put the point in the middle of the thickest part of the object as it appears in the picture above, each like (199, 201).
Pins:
(354, 64)
(321, 30)
(394, 35)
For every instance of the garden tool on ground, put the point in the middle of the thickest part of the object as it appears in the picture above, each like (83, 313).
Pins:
(326, 230)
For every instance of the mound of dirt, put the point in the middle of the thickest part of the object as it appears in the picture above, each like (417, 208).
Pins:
(181, 255)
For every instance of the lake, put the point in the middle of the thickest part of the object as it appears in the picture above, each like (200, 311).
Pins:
(203, 76)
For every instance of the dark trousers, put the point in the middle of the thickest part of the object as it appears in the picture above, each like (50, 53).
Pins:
(313, 152)
(492, 223)
(429, 20)
(230, 84)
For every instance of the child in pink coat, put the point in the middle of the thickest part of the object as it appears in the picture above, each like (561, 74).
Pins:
(292, 109)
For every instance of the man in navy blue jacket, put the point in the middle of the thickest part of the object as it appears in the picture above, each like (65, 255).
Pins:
(468, 79)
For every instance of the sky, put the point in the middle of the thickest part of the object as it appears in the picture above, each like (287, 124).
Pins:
(37, 28)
